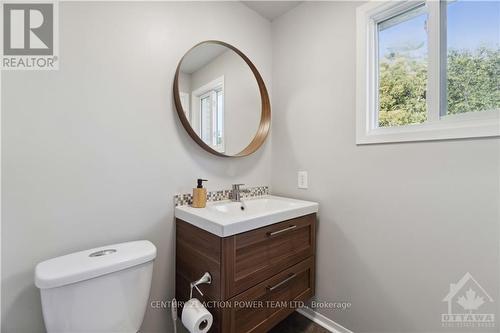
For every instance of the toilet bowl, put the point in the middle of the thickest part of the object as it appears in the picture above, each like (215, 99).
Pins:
(102, 290)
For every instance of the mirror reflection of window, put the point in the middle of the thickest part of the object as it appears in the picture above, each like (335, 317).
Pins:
(206, 118)
(210, 99)
(219, 134)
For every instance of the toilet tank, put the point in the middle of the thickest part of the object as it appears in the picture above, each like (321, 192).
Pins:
(103, 290)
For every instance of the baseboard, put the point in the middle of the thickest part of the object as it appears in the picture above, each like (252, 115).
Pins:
(323, 321)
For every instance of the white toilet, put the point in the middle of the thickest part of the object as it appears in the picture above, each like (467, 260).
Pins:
(102, 290)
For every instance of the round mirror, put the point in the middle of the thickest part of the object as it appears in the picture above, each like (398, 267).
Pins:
(222, 100)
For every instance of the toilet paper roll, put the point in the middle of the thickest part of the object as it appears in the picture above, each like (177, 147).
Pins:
(195, 317)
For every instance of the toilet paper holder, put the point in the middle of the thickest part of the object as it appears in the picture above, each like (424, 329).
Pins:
(205, 279)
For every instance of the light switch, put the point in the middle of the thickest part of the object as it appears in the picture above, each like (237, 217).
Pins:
(302, 179)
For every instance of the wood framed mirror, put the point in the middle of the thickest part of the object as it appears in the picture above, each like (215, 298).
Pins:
(221, 99)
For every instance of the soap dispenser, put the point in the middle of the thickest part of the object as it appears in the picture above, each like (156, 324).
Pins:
(200, 195)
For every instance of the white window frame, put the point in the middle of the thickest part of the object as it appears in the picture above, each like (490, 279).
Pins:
(437, 127)
(196, 96)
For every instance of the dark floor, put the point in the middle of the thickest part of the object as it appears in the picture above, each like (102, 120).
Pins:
(297, 323)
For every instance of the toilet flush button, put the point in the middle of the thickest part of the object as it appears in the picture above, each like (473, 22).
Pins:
(102, 253)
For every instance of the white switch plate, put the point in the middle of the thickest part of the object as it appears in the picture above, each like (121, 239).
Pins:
(302, 179)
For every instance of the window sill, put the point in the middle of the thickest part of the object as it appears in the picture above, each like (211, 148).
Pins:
(449, 127)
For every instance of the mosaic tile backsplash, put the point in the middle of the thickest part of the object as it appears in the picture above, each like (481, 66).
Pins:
(187, 198)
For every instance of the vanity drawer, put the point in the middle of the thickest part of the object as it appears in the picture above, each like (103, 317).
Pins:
(265, 305)
(257, 255)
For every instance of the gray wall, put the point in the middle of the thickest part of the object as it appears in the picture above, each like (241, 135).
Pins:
(398, 222)
(92, 154)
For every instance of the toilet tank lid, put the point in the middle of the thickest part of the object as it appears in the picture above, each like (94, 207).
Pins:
(92, 263)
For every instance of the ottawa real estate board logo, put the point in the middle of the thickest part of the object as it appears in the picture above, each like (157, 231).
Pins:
(469, 305)
(29, 35)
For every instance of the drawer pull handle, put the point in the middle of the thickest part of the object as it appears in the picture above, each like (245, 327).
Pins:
(274, 233)
(290, 277)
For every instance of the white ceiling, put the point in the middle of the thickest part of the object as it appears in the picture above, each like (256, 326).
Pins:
(271, 9)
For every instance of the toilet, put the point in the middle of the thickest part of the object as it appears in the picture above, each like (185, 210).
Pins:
(102, 290)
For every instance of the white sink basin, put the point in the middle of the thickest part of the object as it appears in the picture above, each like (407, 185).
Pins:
(226, 218)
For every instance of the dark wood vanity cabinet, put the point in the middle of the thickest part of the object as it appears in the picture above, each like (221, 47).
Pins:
(258, 277)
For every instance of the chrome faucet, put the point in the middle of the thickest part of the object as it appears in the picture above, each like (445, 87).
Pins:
(236, 192)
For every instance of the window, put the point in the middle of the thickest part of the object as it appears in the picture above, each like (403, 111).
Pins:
(402, 68)
(212, 116)
(427, 70)
(209, 100)
(472, 56)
